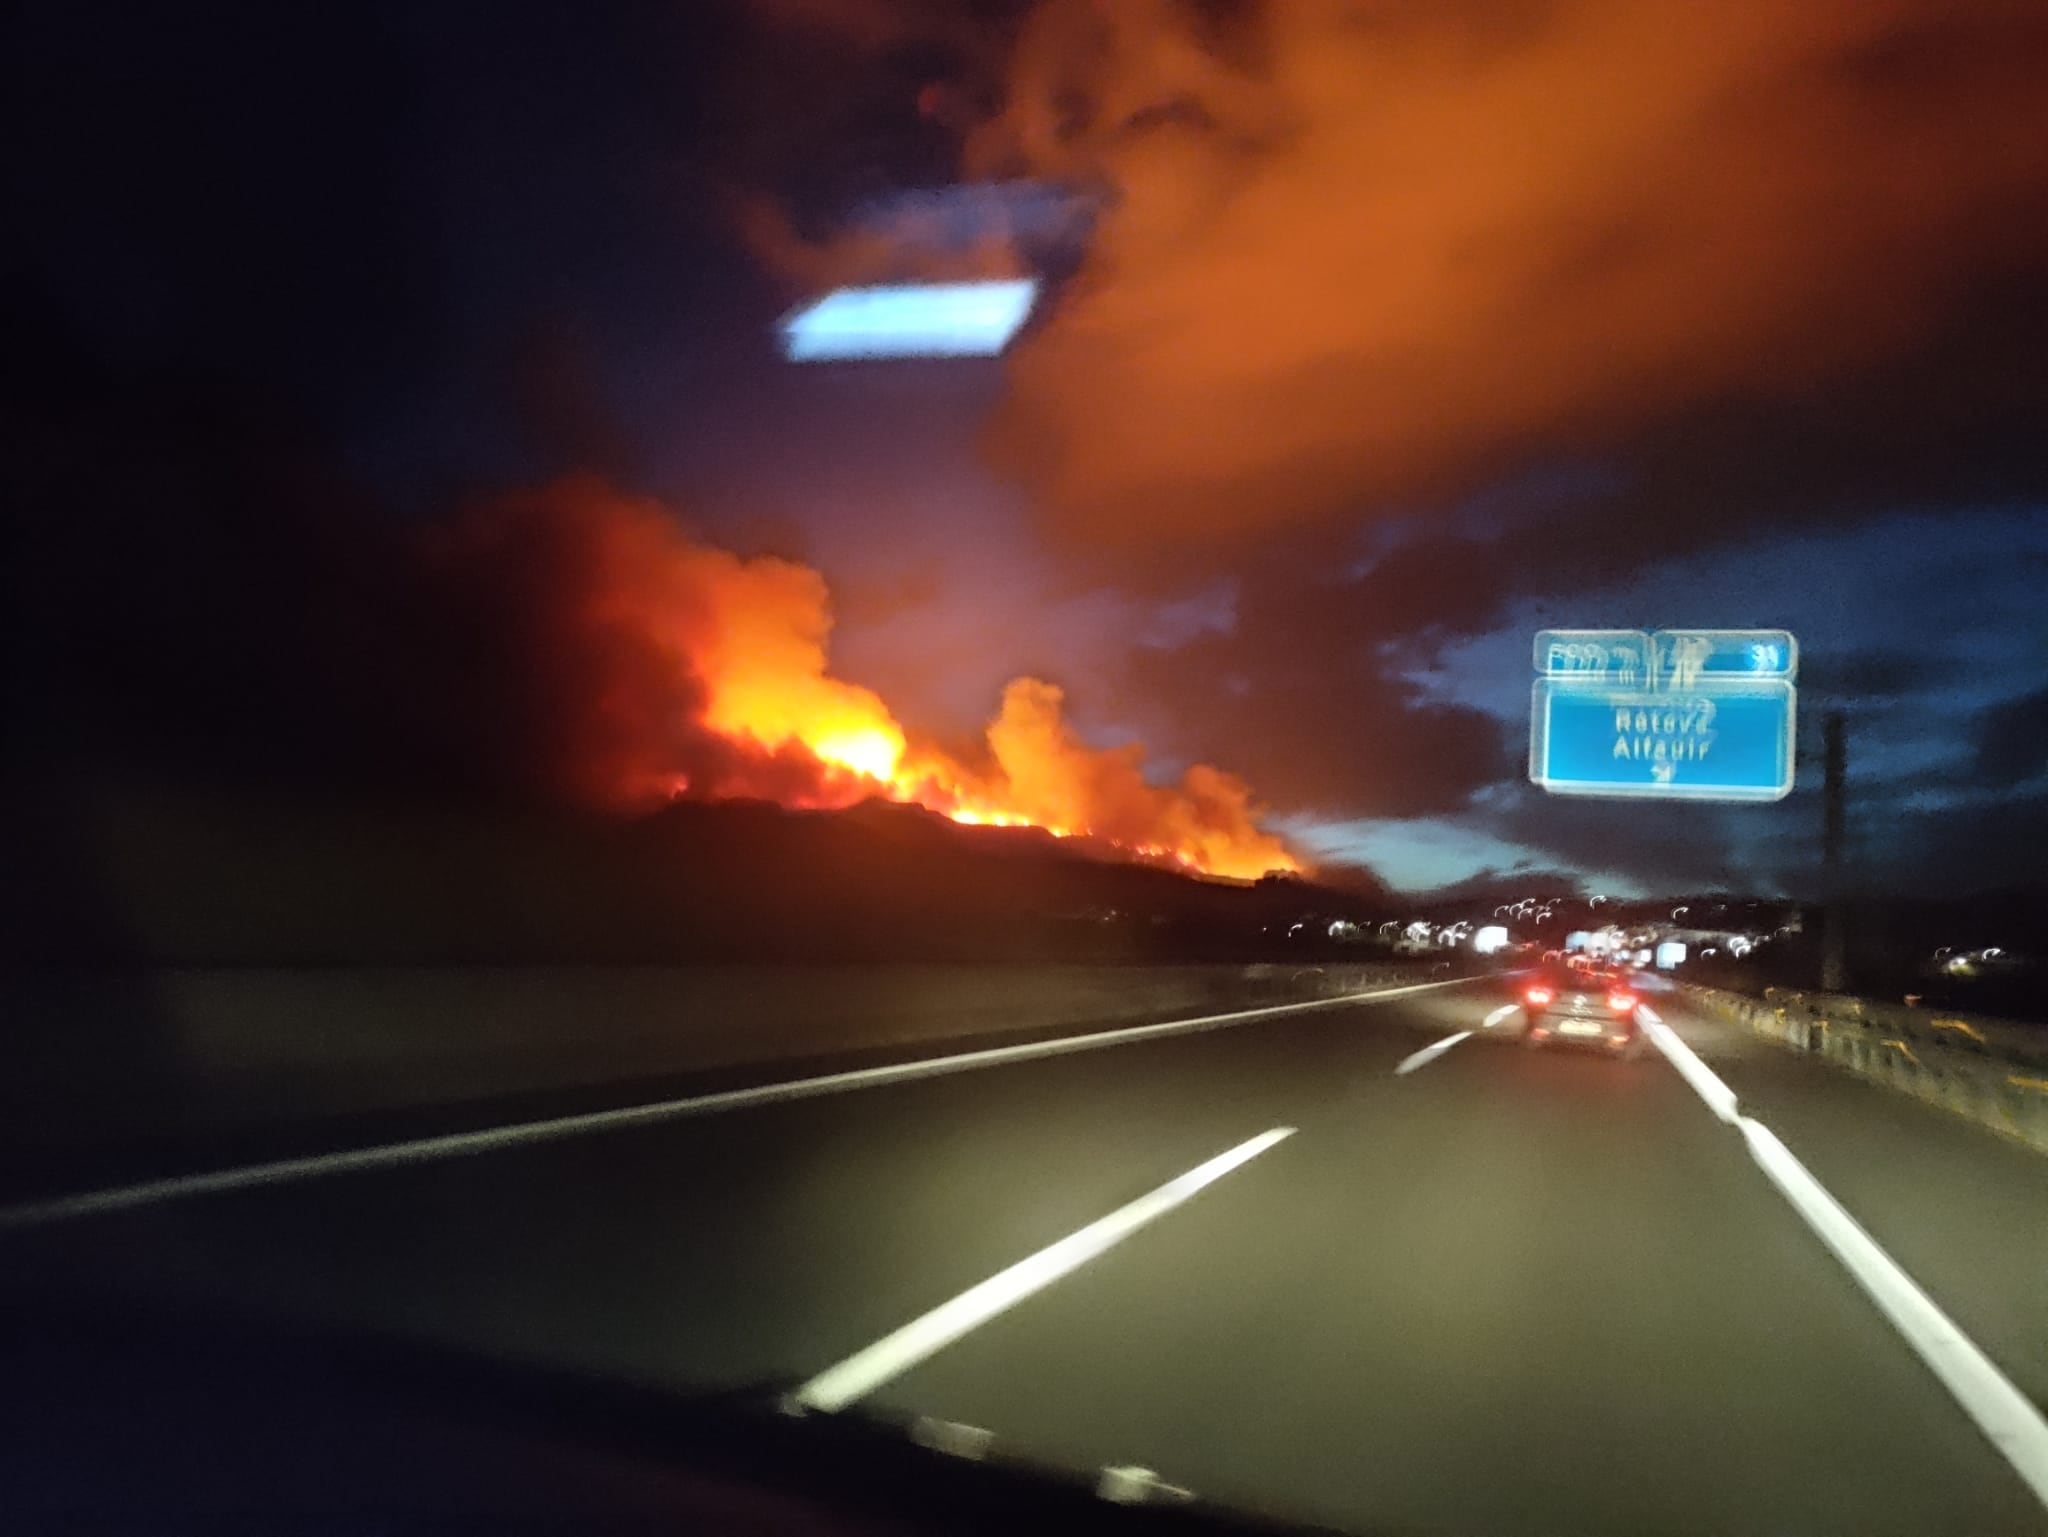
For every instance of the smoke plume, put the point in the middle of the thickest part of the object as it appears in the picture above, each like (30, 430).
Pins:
(635, 666)
(1356, 253)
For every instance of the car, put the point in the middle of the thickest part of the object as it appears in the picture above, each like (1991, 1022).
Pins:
(1581, 1008)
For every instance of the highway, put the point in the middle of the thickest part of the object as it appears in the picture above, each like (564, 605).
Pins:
(1500, 1291)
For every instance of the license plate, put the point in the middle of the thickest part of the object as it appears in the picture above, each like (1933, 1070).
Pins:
(1573, 1027)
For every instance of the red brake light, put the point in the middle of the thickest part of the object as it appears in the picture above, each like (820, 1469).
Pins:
(1621, 1002)
(1538, 995)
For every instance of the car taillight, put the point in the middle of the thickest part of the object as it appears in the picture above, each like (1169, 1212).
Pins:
(1538, 995)
(1621, 1003)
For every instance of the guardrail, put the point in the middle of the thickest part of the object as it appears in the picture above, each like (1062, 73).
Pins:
(176, 1054)
(1990, 1071)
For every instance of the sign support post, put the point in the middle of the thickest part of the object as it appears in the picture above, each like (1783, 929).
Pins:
(1834, 939)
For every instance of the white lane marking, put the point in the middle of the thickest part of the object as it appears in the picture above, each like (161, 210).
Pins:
(2008, 1418)
(1429, 1054)
(1498, 1015)
(1704, 1080)
(490, 1139)
(917, 1341)
(1987, 1395)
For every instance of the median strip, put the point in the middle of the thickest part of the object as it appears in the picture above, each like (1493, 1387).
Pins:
(923, 1337)
(115, 1198)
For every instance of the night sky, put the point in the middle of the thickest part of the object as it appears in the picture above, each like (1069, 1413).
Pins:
(1380, 337)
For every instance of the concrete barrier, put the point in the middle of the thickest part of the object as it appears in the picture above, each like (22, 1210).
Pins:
(169, 1054)
(1990, 1071)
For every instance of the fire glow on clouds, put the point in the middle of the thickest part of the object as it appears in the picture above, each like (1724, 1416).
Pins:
(1351, 256)
(688, 670)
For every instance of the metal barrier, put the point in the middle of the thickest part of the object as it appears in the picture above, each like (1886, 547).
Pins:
(1990, 1071)
(86, 1061)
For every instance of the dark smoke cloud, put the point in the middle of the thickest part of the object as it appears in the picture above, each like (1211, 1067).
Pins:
(192, 596)
(1297, 692)
(191, 587)
(1954, 427)
(555, 659)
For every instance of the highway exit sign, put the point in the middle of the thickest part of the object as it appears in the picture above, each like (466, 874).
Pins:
(1704, 715)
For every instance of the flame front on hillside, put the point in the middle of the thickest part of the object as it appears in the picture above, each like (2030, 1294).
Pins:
(694, 672)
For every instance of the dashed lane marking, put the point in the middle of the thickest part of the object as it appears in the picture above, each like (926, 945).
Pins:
(90, 1203)
(917, 1341)
(1429, 1054)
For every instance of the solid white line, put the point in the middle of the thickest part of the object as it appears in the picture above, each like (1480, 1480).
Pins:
(2008, 1418)
(491, 1139)
(1987, 1395)
(1498, 1015)
(1704, 1080)
(917, 1341)
(1429, 1054)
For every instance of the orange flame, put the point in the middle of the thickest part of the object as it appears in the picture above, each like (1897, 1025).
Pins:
(743, 644)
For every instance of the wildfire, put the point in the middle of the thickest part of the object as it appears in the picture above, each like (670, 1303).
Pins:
(1041, 776)
(708, 676)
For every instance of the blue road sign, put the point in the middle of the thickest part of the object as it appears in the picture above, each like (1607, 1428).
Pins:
(1683, 656)
(1718, 740)
(1667, 658)
(1618, 658)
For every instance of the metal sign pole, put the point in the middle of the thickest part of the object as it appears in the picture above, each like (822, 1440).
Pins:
(1834, 938)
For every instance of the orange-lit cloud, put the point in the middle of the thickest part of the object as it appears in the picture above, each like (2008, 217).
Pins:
(1356, 252)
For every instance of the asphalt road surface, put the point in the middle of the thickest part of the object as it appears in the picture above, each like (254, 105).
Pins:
(1501, 1291)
